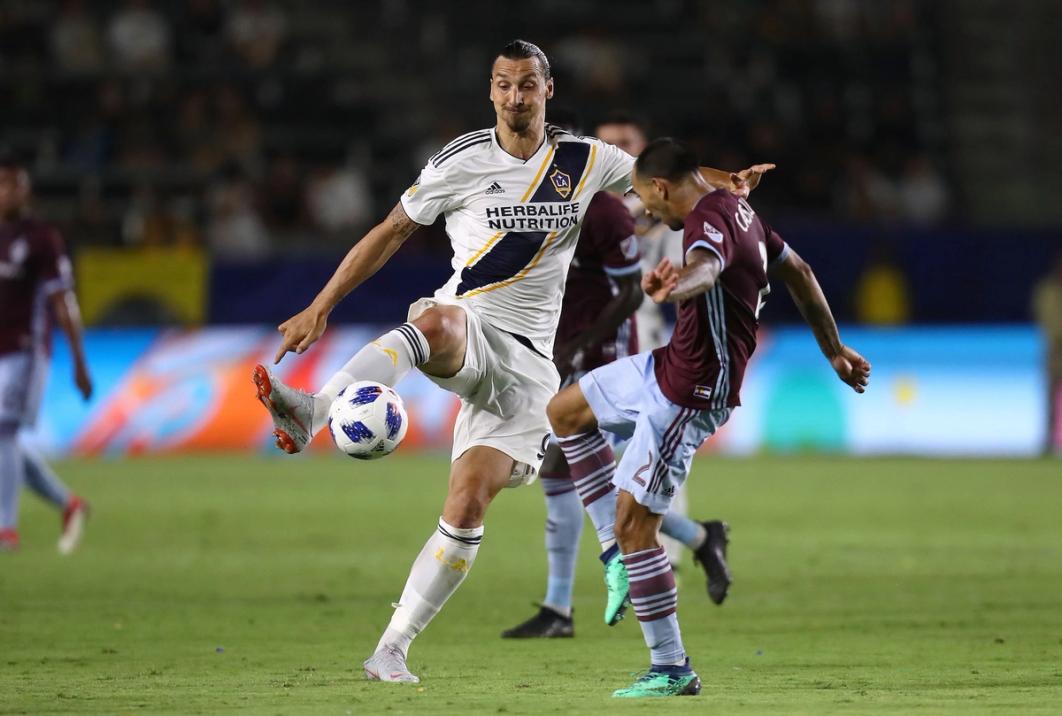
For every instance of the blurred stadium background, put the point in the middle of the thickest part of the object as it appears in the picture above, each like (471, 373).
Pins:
(209, 162)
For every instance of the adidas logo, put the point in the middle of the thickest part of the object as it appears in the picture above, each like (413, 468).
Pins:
(494, 188)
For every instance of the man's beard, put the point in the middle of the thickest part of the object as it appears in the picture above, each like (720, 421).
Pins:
(518, 122)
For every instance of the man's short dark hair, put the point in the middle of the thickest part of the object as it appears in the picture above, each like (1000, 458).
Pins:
(666, 158)
(624, 117)
(524, 50)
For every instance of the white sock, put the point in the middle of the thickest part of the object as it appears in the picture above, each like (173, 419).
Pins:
(386, 360)
(437, 572)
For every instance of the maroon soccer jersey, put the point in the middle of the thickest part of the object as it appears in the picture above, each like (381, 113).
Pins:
(33, 266)
(703, 364)
(607, 247)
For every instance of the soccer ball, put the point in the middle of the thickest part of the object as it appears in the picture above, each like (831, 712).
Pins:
(367, 420)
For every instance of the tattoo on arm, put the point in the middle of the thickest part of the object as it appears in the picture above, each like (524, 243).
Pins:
(401, 224)
(820, 319)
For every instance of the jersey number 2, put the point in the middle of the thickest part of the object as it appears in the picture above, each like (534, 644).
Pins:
(766, 287)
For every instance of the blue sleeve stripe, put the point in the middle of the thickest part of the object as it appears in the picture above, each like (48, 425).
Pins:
(781, 256)
(623, 270)
(702, 244)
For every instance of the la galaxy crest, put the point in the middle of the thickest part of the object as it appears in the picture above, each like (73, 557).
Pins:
(561, 182)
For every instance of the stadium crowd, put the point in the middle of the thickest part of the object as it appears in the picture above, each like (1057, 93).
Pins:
(249, 126)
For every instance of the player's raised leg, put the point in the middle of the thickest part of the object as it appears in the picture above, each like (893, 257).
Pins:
(433, 341)
(564, 527)
(442, 565)
(592, 466)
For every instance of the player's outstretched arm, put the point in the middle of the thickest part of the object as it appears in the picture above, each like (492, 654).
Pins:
(68, 316)
(740, 183)
(850, 367)
(624, 302)
(363, 260)
(667, 283)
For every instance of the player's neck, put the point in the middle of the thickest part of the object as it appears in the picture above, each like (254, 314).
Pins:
(691, 193)
(521, 145)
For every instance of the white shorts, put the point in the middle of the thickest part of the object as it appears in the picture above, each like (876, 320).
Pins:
(627, 401)
(22, 376)
(504, 387)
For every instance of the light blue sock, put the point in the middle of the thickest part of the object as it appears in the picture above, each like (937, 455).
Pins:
(682, 528)
(664, 639)
(564, 527)
(40, 478)
(10, 476)
(655, 600)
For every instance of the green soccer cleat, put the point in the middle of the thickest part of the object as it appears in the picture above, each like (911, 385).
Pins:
(617, 585)
(663, 681)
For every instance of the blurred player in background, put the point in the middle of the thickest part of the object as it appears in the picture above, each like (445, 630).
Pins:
(1047, 309)
(597, 326)
(513, 197)
(671, 400)
(35, 279)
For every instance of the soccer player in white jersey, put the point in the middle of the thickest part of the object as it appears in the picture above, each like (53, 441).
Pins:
(512, 197)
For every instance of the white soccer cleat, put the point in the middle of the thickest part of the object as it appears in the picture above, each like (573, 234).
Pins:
(73, 525)
(389, 664)
(291, 410)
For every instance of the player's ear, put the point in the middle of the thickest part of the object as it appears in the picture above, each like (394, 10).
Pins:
(549, 88)
(661, 187)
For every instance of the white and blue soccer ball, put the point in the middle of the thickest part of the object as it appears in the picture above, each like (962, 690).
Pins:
(367, 420)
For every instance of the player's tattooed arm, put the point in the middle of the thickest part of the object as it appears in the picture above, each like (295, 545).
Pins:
(400, 222)
(363, 260)
(664, 282)
(850, 367)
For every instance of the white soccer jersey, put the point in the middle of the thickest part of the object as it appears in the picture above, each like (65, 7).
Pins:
(513, 223)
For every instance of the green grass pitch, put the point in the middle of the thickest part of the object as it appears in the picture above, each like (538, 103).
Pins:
(214, 585)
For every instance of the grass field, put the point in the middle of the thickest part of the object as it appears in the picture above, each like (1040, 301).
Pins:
(212, 585)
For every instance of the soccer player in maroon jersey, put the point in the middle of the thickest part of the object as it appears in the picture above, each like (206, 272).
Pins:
(35, 277)
(597, 326)
(673, 399)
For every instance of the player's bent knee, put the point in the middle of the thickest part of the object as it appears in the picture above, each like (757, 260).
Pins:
(442, 326)
(473, 485)
(569, 413)
(466, 505)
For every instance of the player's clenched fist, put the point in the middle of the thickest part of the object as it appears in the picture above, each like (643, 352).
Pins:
(301, 330)
(660, 281)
